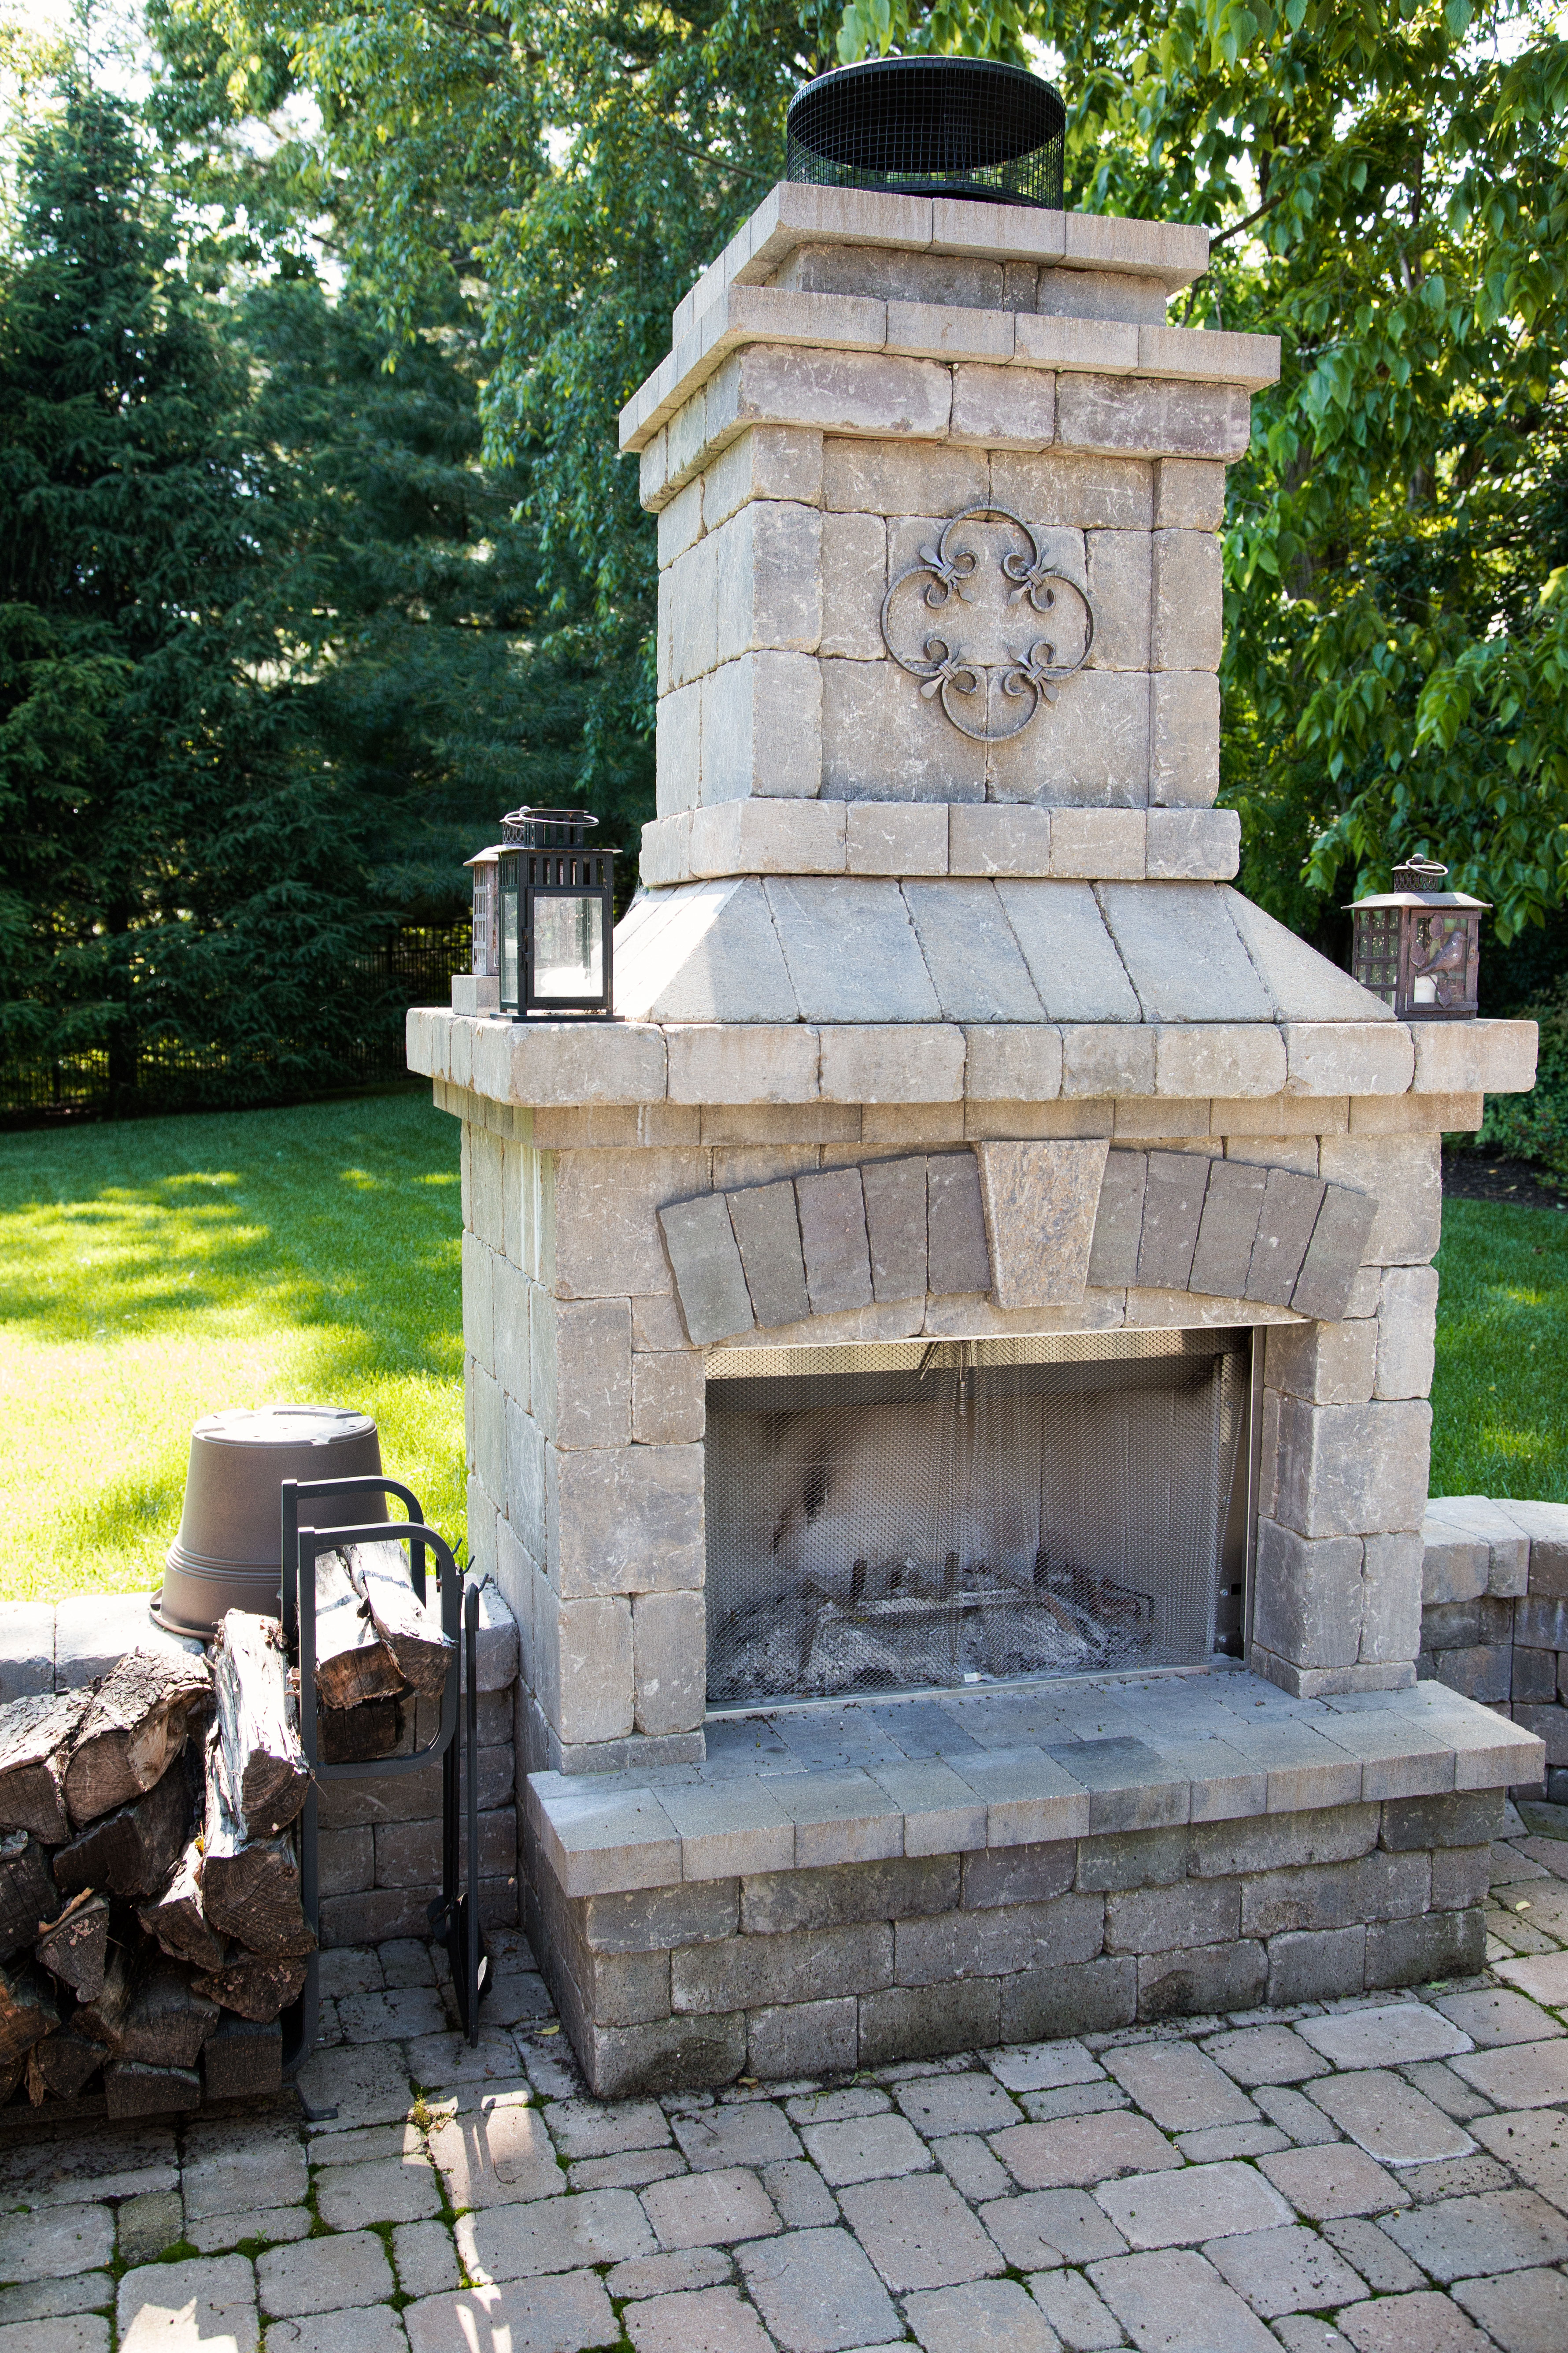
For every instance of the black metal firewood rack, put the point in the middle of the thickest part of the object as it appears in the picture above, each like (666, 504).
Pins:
(455, 1915)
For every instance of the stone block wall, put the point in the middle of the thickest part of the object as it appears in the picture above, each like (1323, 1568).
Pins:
(1494, 1618)
(814, 1972)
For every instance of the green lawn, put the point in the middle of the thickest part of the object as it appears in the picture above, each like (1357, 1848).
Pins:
(155, 1270)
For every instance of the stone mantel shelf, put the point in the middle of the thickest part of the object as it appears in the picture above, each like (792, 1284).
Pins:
(817, 1786)
(1074, 1067)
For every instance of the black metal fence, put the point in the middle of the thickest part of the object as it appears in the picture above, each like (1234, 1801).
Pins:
(413, 965)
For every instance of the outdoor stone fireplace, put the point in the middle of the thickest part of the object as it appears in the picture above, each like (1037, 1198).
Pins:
(947, 1367)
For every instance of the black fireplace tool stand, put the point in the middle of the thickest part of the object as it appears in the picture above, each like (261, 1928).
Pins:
(455, 1914)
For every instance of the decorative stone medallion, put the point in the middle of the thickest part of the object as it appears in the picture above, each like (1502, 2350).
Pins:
(991, 682)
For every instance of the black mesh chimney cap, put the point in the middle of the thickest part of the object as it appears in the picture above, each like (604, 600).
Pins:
(930, 126)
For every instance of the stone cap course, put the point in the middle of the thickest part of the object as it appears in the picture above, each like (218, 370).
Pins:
(1012, 1767)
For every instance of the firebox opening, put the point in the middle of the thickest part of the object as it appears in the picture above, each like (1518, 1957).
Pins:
(891, 1518)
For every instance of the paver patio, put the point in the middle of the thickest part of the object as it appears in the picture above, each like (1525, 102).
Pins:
(1356, 2175)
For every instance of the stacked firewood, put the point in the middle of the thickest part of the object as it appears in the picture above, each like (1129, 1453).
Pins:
(379, 1651)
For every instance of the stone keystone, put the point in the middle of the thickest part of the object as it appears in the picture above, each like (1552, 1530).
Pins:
(1040, 1201)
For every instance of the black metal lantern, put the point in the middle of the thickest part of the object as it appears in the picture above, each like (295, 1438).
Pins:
(555, 897)
(1417, 947)
(485, 961)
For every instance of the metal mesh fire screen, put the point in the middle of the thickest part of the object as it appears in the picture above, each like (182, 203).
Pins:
(880, 1519)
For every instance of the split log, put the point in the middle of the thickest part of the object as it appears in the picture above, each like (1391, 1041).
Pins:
(168, 2018)
(136, 1726)
(26, 1890)
(75, 1948)
(175, 1919)
(255, 1988)
(62, 2065)
(243, 2059)
(102, 2018)
(28, 2012)
(358, 1735)
(264, 1764)
(132, 1851)
(353, 1665)
(34, 1738)
(130, 2089)
(250, 1887)
(411, 1630)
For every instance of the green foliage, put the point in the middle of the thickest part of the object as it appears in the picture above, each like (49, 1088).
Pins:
(1536, 1125)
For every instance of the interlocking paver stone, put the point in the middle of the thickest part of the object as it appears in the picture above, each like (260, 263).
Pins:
(1180, 2088)
(1387, 2036)
(1266, 2054)
(996, 2314)
(1496, 2016)
(957, 2103)
(1333, 2179)
(594, 2128)
(1390, 2120)
(633, 2171)
(1522, 2075)
(345, 2089)
(498, 2154)
(1289, 2270)
(544, 2315)
(425, 2258)
(55, 2299)
(392, 2016)
(643, 2276)
(391, 2189)
(1369, 2250)
(1052, 2226)
(1201, 2202)
(1175, 2302)
(83, 2332)
(179, 2307)
(714, 2320)
(1043, 2066)
(710, 2210)
(1081, 2150)
(1459, 2238)
(1524, 2312)
(241, 2167)
(918, 2233)
(374, 2329)
(803, 2199)
(146, 2225)
(1545, 1976)
(1083, 2323)
(553, 2234)
(818, 2294)
(215, 2234)
(970, 2167)
(865, 2148)
(59, 2240)
(1422, 2323)
(1534, 2143)
(752, 2132)
(326, 2274)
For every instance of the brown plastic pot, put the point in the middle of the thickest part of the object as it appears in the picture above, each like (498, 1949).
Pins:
(226, 1555)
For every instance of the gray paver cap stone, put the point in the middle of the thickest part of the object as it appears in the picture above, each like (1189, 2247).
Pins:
(711, 2320)
(1389, 2036)
(145, 2225)
(710, 2209)
(55, 2242)
(1175, 2302)
(996, 2315)
(1287, 2270)
(865, 2148)
(179, 2307)
(542, 2315)
(1422, 2323)
(1457, 2238)
(1542, 1975)
(1525, 2312)
(1391, 2122)
(555, 2234)
(919, 2234)
(818, 2294)
(1200, 2202)
(1080, 2151)
(644, 2276)
(56, 2299)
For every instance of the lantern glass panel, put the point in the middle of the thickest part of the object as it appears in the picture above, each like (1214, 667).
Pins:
(509, 935)
(568, 944)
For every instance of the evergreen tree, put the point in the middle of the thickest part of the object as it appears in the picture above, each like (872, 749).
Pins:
(174, 877)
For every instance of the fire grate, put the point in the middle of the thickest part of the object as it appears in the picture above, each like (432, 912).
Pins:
(968, 1511)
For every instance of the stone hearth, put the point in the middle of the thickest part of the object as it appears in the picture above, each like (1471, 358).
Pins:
(942, 1029)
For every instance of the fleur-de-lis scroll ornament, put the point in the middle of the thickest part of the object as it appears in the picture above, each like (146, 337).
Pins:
(946, 670)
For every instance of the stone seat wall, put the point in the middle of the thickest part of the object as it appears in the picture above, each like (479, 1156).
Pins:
(1494, 1617)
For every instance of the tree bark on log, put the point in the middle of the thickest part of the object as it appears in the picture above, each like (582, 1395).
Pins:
(250, 1887)
(353, 1665)
(264, 1765)
(26, 1890)
(28, 2012)
(134, 1728)
(411, 1630)
(132, 1851)
(358, 1735)
(243, 2060)
(75, 1948)
(130, 2089)
(258, 1989)
(168, 2018)
(101, 2018)
(34, 1736)
(175, 1919)
(61, 2065)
